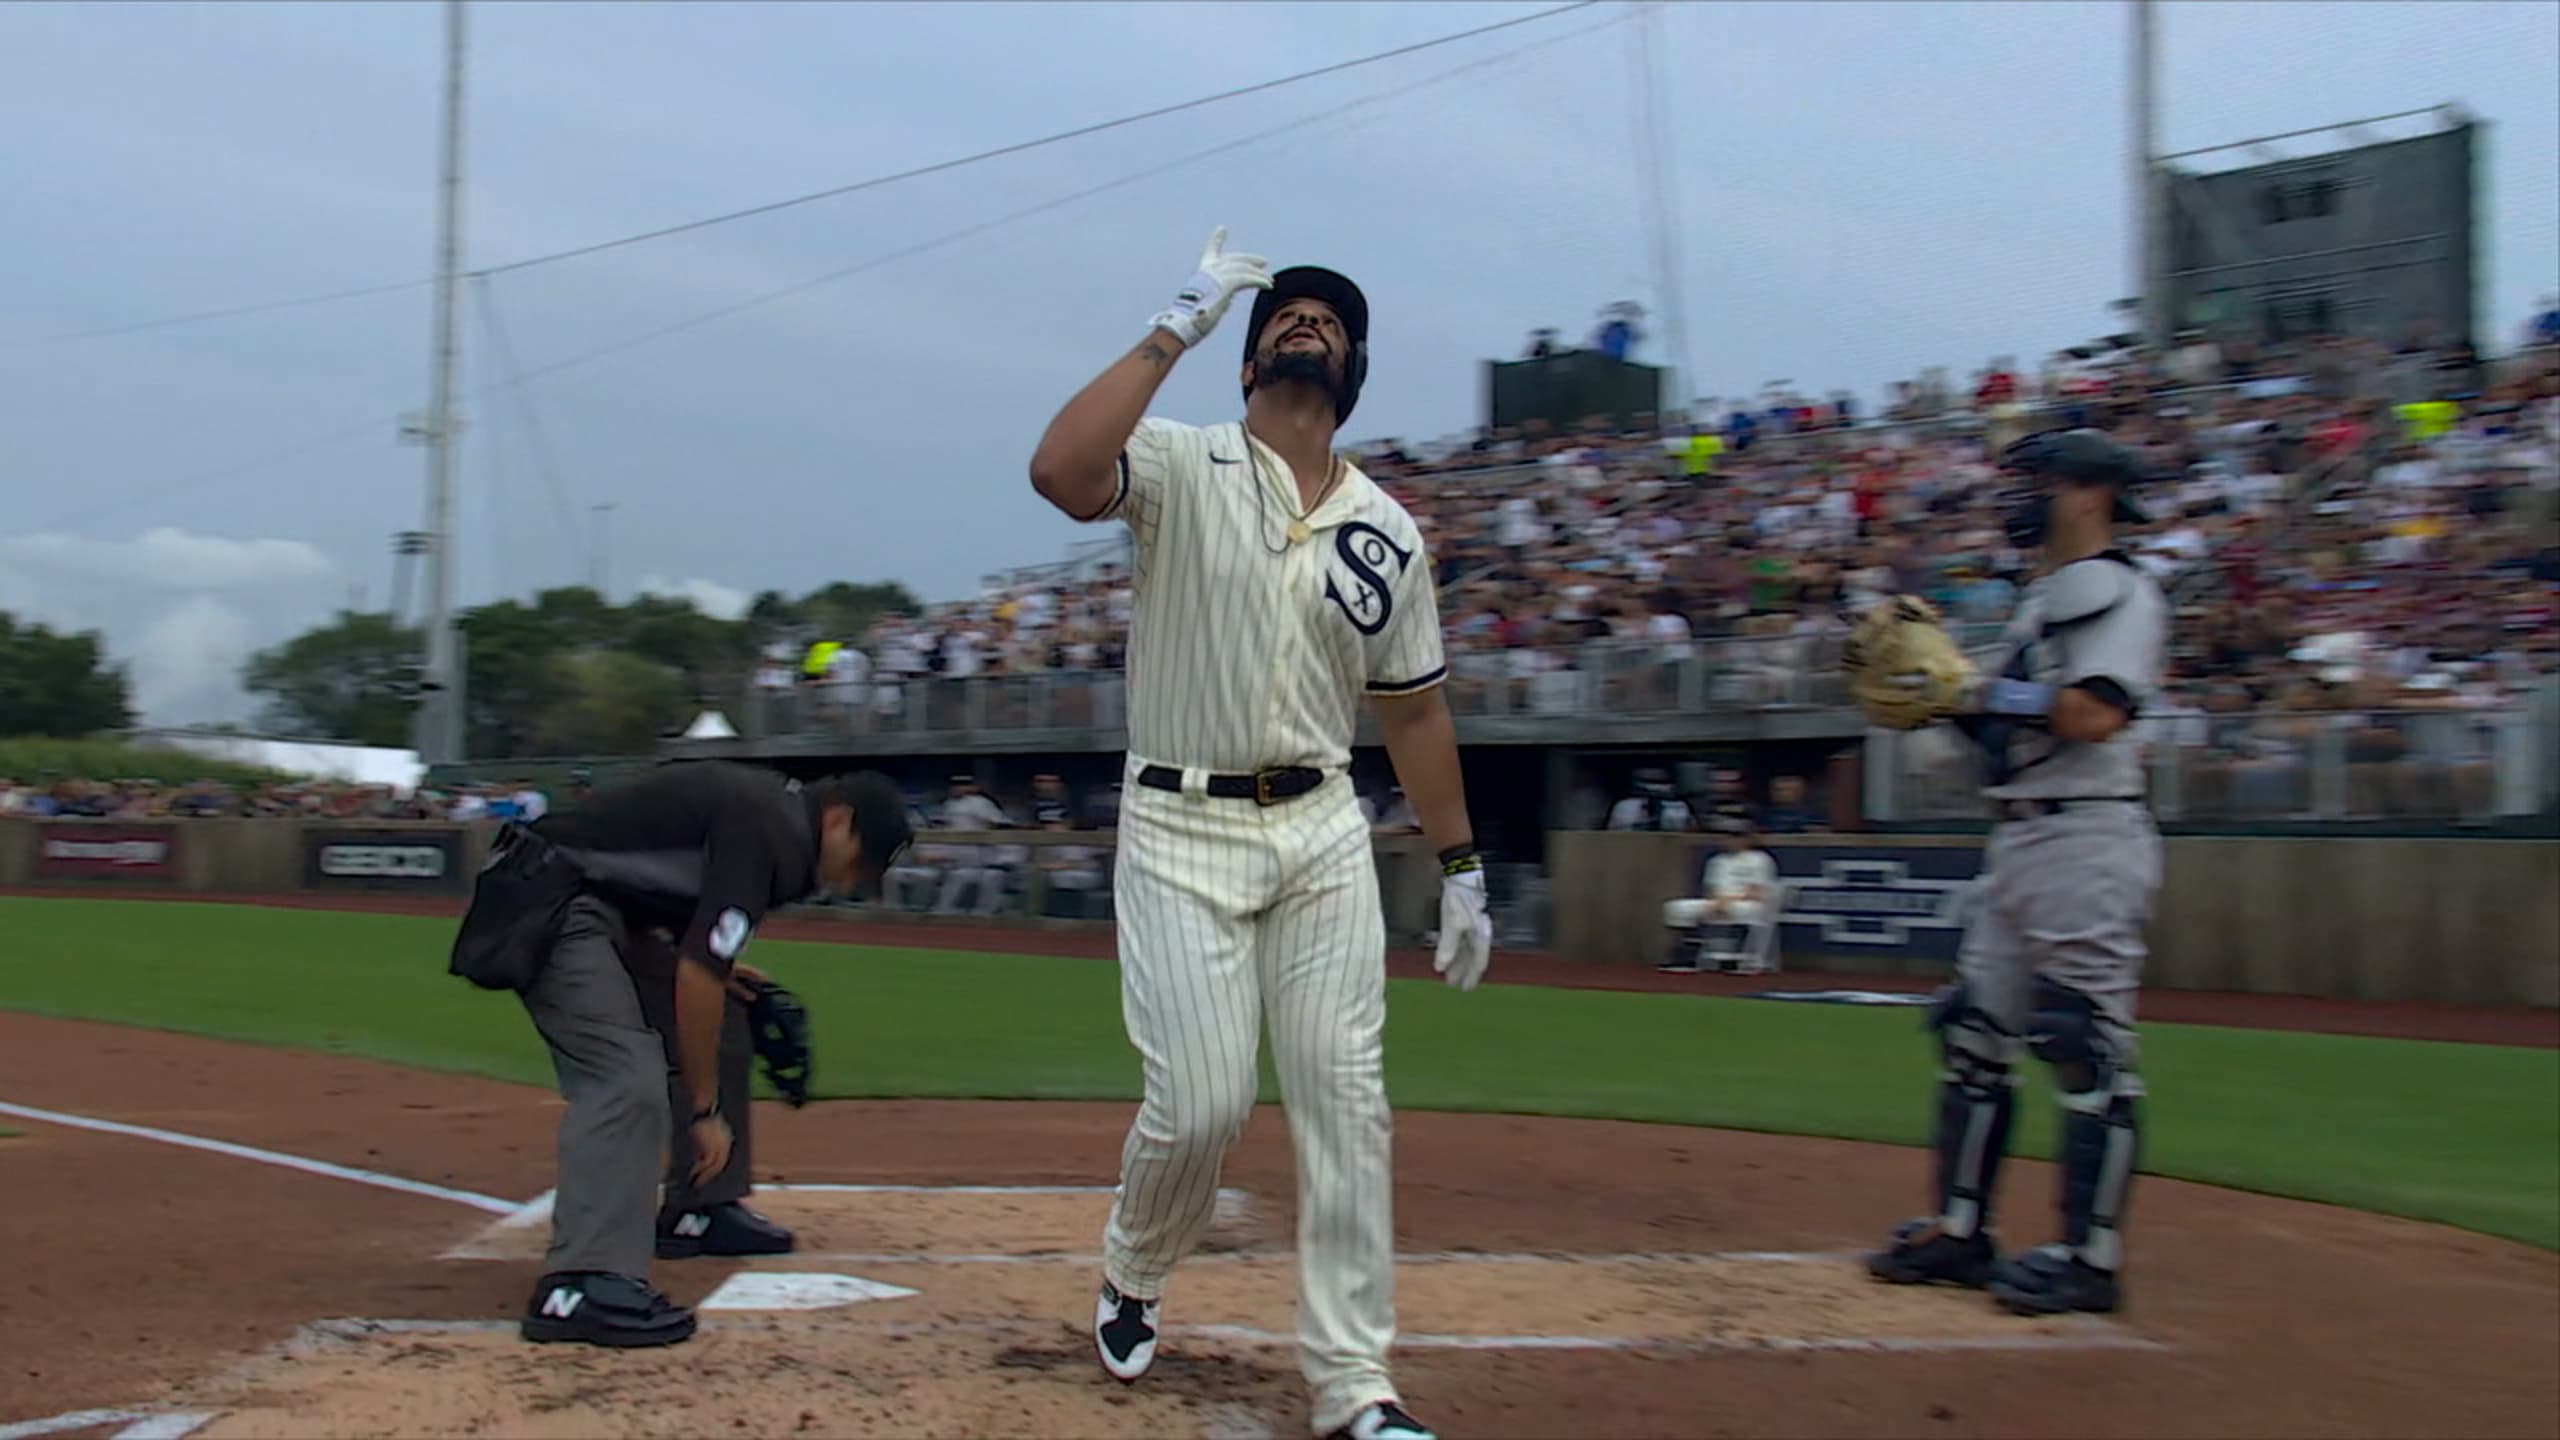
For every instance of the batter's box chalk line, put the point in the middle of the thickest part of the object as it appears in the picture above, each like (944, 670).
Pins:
(1660, 1259)
(2060, 1333)
(132, 1424)
(1234, 1207)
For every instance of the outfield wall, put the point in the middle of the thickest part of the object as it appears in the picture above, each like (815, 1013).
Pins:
(2428, 919)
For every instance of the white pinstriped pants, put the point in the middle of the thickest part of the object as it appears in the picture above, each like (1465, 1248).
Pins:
(1232, 913)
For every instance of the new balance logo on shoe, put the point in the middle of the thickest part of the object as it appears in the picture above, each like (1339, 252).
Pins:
(562, 1303)
(693, 1226)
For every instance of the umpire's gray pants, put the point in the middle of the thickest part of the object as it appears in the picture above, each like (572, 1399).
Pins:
(614, 1053)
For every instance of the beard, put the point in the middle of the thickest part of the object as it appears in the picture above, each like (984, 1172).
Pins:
(1299, 367)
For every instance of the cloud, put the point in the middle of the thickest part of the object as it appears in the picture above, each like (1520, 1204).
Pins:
(708, 596)
(170, 559)
(189, 656)
(180, 611)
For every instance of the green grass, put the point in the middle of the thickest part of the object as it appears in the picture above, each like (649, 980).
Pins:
(32, 760)
(2464, 1134)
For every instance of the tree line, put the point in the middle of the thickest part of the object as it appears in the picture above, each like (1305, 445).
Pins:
(567, 673)
(58, 684)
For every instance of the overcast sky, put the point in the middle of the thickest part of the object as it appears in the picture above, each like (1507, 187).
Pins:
(1863, 190)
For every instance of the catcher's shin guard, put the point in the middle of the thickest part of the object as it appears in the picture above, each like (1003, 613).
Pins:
(2099, 1149)
(1977, 1098)
(2101, 1123)
(1976, 1101)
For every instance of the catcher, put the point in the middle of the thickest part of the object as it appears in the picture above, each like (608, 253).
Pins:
(2069, 873)
(619, 922)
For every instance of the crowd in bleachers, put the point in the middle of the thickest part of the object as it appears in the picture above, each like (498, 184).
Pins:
(2339, 522)
(128, 799)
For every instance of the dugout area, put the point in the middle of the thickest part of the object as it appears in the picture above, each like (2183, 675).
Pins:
(1559, 1277)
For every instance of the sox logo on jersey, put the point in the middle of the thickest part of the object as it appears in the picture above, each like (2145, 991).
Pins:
(1365, 551)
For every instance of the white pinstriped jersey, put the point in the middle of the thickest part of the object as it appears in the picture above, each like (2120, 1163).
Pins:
(1246, 651)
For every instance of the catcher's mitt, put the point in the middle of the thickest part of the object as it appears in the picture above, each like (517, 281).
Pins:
(1904, 669)
(780, 1024)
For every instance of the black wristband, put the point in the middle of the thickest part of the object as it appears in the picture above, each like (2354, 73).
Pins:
(1458, 859)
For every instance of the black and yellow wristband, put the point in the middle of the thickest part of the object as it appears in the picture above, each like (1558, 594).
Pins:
(1460, 859)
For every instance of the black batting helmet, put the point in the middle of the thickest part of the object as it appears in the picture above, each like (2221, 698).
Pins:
(2082, 457)
(1314, 282)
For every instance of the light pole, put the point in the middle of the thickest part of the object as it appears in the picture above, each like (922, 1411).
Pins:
(439, 720)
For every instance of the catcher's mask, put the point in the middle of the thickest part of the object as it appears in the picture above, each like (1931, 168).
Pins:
(2034, 464)
(1314, 282)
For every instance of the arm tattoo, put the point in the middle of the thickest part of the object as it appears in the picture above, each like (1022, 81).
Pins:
(1153, 350)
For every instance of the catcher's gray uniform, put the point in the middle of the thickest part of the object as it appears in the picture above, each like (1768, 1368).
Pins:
(2051, 964)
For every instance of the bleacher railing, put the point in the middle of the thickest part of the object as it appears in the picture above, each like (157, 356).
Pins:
(1615, 677)
(2458, 766)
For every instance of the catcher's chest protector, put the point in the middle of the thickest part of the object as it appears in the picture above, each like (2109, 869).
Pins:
(2096, 619)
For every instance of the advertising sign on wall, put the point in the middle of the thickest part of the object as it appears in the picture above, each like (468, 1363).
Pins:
(1900, 903)
(423, 860)
(107, 852)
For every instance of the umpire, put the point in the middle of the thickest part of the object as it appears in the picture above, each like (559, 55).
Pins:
(619, 921)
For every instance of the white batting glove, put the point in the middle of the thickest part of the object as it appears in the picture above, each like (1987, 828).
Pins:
(1202, 301)
(1466, 931)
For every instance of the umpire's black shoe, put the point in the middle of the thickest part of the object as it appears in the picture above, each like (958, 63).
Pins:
(2050, 1280)
(729, 1228)
(595, 1309)
(1922, 1254)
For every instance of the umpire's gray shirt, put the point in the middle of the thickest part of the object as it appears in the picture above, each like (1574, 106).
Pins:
(2095, 620)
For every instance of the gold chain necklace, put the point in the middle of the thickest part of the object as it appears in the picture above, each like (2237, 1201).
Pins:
(1299, 530)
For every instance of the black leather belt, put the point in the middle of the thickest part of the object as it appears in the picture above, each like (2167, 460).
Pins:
(1262, 787)
(2037, 809)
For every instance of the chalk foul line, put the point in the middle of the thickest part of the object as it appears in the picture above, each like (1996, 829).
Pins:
(132, 1424)
(490, 1204)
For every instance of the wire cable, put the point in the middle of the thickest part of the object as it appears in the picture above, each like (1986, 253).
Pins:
(1024, 146)
(874, 183)
(227, 312)
(199, 480)
(965, 232)
(512, 381)
(523, 377)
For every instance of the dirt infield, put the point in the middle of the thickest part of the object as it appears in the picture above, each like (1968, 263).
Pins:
(2483, 1025)
(1557, 1278)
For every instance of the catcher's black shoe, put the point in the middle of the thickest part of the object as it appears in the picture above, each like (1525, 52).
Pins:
(2050, 1280)
(1922, 1254)
(595, 1309)
(725, 1229)
(1385, 1420)
(1124, 1333)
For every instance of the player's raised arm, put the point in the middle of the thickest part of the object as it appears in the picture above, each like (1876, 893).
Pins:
(1077, 465)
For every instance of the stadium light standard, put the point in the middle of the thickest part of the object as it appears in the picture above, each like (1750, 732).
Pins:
(439, 731)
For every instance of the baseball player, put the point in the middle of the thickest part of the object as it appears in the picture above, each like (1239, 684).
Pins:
(1274, 585)
(2070, 871)
(619, 922)
(1737, 886)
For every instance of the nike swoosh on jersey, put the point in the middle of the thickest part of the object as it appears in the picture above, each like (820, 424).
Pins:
(1217, 459)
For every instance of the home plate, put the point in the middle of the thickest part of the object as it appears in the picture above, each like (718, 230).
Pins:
(789, 1290)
